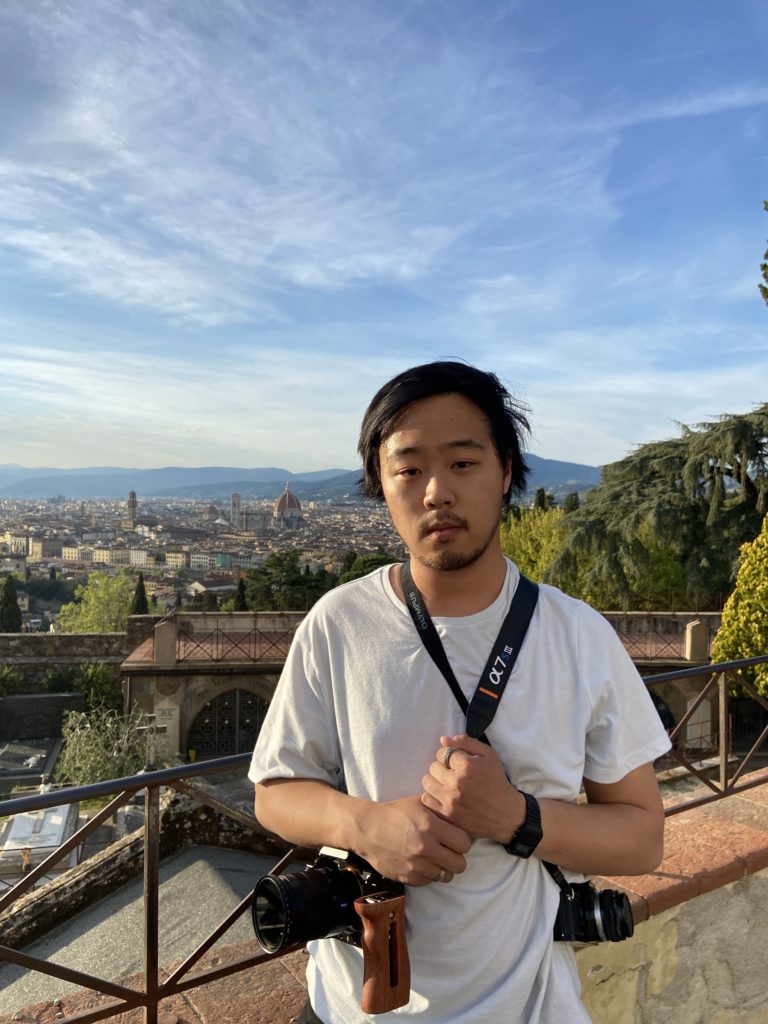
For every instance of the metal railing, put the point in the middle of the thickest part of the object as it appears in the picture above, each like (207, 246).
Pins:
(182, 979)
(221, 645)
(122, 790)
(658, 635)
(730, 768)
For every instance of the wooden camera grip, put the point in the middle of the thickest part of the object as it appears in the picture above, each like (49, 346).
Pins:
(386, 967)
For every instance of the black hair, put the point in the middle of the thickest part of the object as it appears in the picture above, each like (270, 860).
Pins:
(506, 416)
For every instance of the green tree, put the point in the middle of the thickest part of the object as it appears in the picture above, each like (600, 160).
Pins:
(60, 679)
(364, 564)
(139, 603)
(685, 504)
(743, 631)
(50, 589)
(101, 605)
(532, 539)
(279, 584)
(241, 601)
(10, 681)
(347, 560)
(571, 502)
(99, 687)
(93, 680)
(101, 744)
(10, 613)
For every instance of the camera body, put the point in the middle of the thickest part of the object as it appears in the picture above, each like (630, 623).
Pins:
(318, 902)
(587, 914)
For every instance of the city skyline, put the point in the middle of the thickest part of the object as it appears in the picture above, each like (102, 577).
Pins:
(224, 226)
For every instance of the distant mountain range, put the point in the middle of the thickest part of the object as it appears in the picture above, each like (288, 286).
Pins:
(218, 482)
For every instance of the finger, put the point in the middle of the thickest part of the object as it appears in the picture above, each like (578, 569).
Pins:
(433, 804)
(443, 876)
(455, 839)
(431, 785)
(466, 743)
(447, 756)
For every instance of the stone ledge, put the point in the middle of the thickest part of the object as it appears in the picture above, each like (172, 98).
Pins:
(705, 848)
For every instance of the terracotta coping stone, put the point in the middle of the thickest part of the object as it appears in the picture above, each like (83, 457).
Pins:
(705, 848)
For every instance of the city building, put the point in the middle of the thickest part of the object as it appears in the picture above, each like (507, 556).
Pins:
(287, 512)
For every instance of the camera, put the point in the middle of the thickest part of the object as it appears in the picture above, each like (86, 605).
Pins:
(319, 902)
(587, 914)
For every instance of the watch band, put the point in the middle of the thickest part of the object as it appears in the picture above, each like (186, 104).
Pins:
(528, 836)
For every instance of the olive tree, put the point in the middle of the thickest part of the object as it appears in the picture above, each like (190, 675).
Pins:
(101, 744)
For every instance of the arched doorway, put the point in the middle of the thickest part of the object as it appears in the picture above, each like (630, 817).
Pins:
(228, 724)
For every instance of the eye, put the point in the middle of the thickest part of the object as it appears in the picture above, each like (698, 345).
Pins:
(463, 463)
(408, 471)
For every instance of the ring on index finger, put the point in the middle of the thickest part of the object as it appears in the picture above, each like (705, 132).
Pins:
(450, 751)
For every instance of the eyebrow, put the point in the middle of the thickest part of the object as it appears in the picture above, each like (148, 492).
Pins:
(413, 449)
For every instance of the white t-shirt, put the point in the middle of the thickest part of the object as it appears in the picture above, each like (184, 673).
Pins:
(360, 705)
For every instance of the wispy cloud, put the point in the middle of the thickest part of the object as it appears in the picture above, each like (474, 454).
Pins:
(706, 103)
(223, 226)
(268, 146)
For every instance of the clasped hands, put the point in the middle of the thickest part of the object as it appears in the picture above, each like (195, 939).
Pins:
(473, 792)
(423, 839)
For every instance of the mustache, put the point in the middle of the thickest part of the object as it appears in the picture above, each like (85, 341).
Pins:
(444, 519)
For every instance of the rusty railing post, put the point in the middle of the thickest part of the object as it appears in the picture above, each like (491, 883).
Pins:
(151, 900)
(724, 738)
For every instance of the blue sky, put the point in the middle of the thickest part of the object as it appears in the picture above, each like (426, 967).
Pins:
(224, 223)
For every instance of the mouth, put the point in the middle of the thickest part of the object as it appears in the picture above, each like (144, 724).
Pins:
(444, 529)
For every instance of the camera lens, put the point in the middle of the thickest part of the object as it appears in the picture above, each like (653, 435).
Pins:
(616, 913)
(311, 904)
(269, 920)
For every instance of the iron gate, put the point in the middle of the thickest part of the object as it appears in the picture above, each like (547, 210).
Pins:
(228, 724)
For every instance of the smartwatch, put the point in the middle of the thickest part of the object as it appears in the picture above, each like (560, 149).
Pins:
(528, 836)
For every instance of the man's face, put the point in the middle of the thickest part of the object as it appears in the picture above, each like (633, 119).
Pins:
(443, 482)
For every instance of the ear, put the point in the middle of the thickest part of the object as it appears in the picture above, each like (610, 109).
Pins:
(507, 474)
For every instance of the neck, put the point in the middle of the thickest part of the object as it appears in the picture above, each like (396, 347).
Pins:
(459, 591)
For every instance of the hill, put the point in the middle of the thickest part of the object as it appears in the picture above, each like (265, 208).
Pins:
(216, 482)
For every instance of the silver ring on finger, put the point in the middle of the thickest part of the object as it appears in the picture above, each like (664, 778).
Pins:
(450, 751)
(441, 875)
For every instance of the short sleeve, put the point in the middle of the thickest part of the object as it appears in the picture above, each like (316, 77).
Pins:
(298, 738)
(624, 730)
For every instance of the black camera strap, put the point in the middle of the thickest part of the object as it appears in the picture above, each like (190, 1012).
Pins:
(495, 676)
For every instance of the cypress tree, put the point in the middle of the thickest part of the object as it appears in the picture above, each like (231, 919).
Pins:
(139, 603)
(241, 605)
(10, 613)
(572, 502)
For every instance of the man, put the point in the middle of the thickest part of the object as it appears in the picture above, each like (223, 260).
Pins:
(364, 746)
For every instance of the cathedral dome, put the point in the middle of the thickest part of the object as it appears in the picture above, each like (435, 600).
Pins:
(287, 504)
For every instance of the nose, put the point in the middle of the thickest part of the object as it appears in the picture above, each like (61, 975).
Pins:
(438, 493)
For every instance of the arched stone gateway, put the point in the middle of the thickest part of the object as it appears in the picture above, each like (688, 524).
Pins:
(207, 679)
(228, 724)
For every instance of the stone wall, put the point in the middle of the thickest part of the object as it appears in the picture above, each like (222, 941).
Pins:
(702, 962)
(32, 654)
(31, 716)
